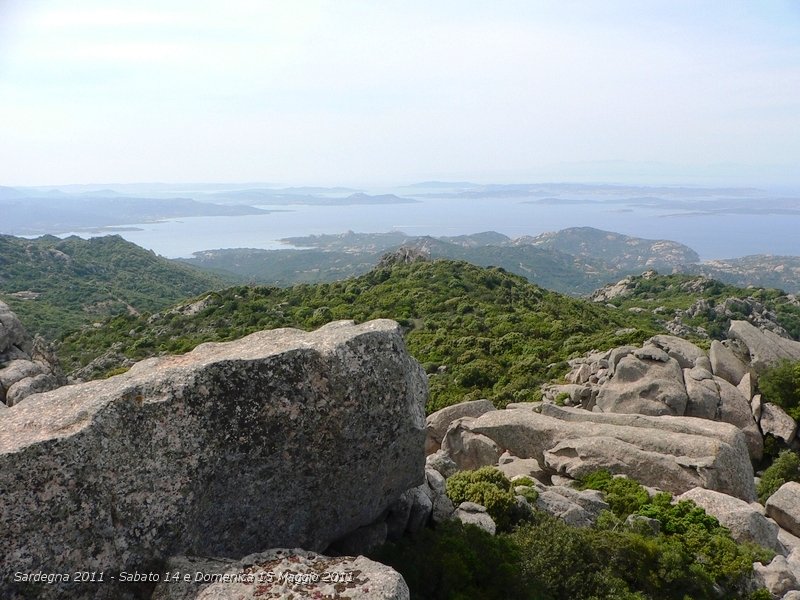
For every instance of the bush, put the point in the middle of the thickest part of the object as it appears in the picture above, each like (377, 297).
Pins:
(781, 385)
(488, 487)
(460, 562)
(624, 496)
(785, 468)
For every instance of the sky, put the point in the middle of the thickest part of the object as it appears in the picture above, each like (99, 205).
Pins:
(352, 92)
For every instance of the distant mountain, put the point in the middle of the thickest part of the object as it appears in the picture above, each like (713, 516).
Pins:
(57, 285)
(31, 216)
(619, 252)
(332, 257)
(574, 261)
(303, 196)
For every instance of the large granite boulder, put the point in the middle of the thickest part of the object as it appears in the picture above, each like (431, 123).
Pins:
(669, 453)
(281, 439)
(746, 521)
(280, 573)
(774, 420)
(765, 347)
(685, 352)
(438, 422)
(784, 507)
(647, 382)
(725, 363)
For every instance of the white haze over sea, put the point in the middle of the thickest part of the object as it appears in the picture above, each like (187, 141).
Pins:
(712, 235)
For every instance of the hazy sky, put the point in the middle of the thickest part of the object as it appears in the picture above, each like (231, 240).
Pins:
(389, 91)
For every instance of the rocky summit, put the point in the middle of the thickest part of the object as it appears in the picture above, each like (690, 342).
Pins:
(280, 439)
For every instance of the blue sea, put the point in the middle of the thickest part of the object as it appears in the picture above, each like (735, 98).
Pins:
(711, 235)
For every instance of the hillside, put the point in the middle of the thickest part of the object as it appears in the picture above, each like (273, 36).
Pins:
(478, 332)
(573, 261)
(700, 308)
(330, 257)
(618, 252)
(57, 286)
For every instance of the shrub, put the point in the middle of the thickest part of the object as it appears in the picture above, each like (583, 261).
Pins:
(785, 468)
(781, 385)
(488, 487)
(624, 496)
(459, 562)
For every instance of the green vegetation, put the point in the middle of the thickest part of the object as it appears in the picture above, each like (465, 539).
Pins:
(543, 558)
(781, 385)
(713, 304)
(488, 487)
(785, 468)
(57, 286)
(480, 333)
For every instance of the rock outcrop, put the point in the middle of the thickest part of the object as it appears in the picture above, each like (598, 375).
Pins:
(784, 507)
(670, 453)
(766, 348)
(746, 521)
(281, 439)
(27, 366)
(281, 573)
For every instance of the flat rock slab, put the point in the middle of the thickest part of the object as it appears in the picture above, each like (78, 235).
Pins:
(281, 573)
(669, 453)
(281, 439)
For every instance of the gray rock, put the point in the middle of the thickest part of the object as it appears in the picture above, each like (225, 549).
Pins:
(793, 595)
(19, 369)
(589, 500)
(747, 386)
(570, 512)
(421, 509)
(29, 386)
(467, 449)
(774, 420)
(746, 521)
(216, 451)
(438, 422)
(617, 354)
(439, 461)
(642, 524)
(648, 352)
(671, 453)
(756, 406)
(442, 505)
(777, 576)
(282, 573)
(735, 409)
(523, 406)
(766, 348)
(686, 353)
(703, 392)
(784, 507)
(12, 333)
(526, 467)
(470, 513)
(704, 363)
(725, 364)
(647, 387)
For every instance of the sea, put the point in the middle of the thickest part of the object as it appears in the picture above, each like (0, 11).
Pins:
(711, 235)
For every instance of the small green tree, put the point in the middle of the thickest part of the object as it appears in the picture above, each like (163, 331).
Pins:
(781, 385)
(785, 468)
